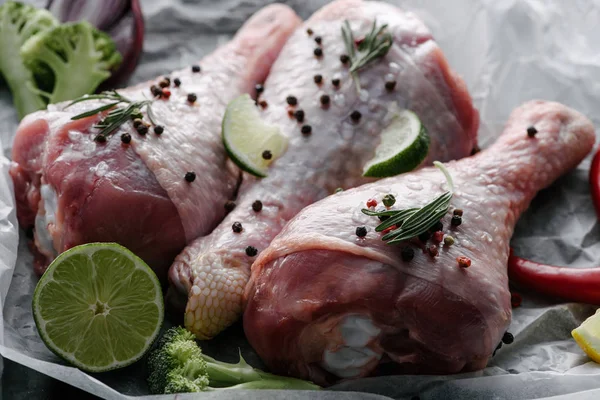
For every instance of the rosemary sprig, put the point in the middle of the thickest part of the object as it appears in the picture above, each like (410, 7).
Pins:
(412, 222)
(374, 46)
(117, 116)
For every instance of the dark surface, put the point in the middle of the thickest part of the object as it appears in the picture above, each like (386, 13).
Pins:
(19, 382)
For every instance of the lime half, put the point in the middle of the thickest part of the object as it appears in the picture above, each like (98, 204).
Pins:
(404, 145)
(98, 306)
(587, 336)
(250, 142)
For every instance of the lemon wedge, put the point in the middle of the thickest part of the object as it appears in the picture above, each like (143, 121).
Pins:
(587, 336)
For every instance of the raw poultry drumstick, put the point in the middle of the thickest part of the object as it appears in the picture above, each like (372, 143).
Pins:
(150, 190)
(324, 303)
(333, 131)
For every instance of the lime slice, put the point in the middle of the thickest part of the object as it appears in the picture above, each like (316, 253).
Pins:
(404, 145)
(246, 137)
(98, 306)
(587, 336)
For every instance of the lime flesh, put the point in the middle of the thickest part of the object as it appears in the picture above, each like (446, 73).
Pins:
(404, 145)
(246, 137)
(98, 306)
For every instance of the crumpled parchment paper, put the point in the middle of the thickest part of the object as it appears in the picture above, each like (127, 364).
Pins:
(508, 52)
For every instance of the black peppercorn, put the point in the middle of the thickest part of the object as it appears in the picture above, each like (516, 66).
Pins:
(100, 138)
(267, 155)
(407, 253)
(383, 217)
(318, 52)
(291, 100)
(126, 138)
(344, 59)
(237, 227)
(257, 205)
(508, 338)
(437, 227)
(390, 85)
(335, 82)
(325, 99)
(164, 83)
(299, 115)
(196, 68)
(192, 97)
(137, 122)
(531, 131)
(190, 176)
(388, 200)
(259, 88)
(229, 205)
(318, 39)
(361, 231)
(177, 82)
(158, 129)
(355, 116)
(251, 251)
(156, 91)
(142, 129)
(309, 32)
(424, 237)
(456, 220)
(306, 129)
(318, 79)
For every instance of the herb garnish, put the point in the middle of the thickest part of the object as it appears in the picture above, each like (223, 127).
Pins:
(374, 46)
(412, 222)
(117, 117)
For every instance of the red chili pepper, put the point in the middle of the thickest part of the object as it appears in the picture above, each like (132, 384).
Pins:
(573, 284)
(166, 93)
(371, 203)
(463, 262)
(438, 236)
(595, 181)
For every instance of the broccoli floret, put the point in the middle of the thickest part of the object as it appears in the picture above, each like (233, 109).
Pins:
(178, 365)
(77, 57)
(19, 22)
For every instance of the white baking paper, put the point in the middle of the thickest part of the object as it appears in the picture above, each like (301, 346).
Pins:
(508, 51)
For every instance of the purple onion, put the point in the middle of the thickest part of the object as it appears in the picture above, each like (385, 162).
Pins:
(121, 19)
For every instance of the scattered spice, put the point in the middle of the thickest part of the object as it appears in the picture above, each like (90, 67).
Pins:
(515, 299)
(237, 227)
(407, 253)
(126, 138)
(166, 94)
(448, 240)
(318, 52)
(438, 236)
(318, 39)
(196, 68)
(389, 200)
(177, 82)
(508, 338)
(318, 79)
(424, 237)
(229, 205)
(158, 129)
(100, 138)
(309, 32)
(458, 212)
(267, 155)
(306, 129)
(142, 129)
(325, 99)
(251, 251)
(263, 104)
(259, 88)
(191, 97)
(371, 203)
(257, 205)
(390, 85)
(531, 131)
(361, 231)
(299, 115)
(335, 82)
(463, 262)
(164, 83)
(344, 59)
(355, 115)
(190, 176)
(291, 100)
(137, 122)
(433, 250)
(156, 91)
(456, 220)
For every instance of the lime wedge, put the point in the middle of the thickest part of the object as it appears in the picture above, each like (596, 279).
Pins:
(98, 306)
(587, 336)
(404, 145)
(247, 137)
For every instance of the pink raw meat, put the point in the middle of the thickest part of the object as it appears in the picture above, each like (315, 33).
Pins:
(76, 190)
(325, 304)
(215, 268)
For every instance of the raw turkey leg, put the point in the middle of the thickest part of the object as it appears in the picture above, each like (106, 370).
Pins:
(344, 132)
(76, 190)
(324, 304)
